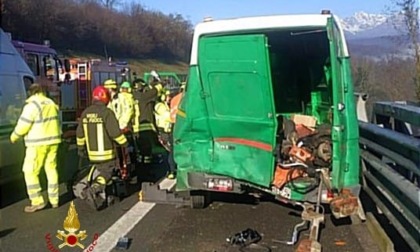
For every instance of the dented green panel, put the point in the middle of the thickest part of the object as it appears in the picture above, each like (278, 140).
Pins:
(236, 91)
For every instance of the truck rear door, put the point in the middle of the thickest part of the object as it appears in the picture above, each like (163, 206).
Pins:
(337, 44)
(237, 87)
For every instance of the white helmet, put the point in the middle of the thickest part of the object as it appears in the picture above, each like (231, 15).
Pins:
(155, 75)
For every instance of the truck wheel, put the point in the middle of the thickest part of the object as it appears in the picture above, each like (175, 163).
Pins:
(198, 201)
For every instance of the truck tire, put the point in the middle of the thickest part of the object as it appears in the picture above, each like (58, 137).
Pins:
(198, 201)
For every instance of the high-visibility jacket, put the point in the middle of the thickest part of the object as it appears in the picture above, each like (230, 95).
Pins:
(98, 129)
(174, 106)
(163, 117)
(126, 110)
(39, 122)
(147, 101)
(114, 106)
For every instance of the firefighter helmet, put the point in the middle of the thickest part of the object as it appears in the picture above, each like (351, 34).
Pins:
(126, 84)
(110, 83)
(125, 87)
(100, 93)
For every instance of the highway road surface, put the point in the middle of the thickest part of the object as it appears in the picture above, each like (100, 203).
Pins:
(162, 227)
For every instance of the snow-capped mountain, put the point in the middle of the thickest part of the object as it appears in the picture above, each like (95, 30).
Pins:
(365, 25)
(376, 35)
(362, 21)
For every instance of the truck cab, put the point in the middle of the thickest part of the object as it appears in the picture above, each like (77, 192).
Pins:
(15, 78)
(44, 63)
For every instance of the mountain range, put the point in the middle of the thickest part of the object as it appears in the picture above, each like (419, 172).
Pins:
(376, 35)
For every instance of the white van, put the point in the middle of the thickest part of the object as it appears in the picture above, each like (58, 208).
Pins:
(15, 78)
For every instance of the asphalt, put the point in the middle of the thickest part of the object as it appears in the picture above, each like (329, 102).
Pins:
(167, 227)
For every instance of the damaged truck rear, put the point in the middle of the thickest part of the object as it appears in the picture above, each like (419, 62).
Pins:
(269, 108)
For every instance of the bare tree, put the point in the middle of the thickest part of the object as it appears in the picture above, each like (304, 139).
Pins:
(109, 4)
(410, 11)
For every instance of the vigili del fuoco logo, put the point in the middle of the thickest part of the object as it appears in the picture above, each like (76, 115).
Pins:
(71, 237)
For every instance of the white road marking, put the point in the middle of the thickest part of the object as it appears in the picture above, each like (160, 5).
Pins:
(108, 240)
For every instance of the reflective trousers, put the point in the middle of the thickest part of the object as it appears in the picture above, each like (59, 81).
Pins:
(37, 157)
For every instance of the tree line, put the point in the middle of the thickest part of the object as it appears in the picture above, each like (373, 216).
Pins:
(388, 80)
(112, 28)
(97, 27)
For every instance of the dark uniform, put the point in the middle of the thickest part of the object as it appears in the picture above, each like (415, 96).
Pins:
(98, 129)
(147, 129)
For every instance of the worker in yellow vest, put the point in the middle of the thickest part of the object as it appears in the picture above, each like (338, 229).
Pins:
(163, 117)
(112, 88)
(126, 108)
(39, 125)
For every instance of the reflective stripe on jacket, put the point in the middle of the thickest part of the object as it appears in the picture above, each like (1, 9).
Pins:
(163, 119)
(98, 129)
(39, 122)
(147, 126)
(136, 118)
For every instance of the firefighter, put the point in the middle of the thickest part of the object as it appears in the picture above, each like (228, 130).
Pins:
(126, 120)
(136, 117)
(96, 133)
(164, 126)
(40, 126)
(163, 120)
(112, 88)
(147, 130)
(174, 104)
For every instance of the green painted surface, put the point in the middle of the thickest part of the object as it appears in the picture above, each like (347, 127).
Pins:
(345, 132)
(238, 87)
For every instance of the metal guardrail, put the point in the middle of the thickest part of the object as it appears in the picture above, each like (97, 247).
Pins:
(391, 167)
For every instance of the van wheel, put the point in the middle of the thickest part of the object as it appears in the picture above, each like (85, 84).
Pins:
(198, 201)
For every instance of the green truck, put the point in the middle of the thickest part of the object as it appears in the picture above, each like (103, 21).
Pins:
(269, 108)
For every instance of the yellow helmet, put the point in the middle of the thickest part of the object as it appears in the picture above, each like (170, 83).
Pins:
(110, 83)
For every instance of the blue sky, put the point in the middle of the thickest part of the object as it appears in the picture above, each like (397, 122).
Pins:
(196, 10)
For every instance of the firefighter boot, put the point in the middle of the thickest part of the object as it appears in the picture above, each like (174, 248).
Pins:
(94, 197)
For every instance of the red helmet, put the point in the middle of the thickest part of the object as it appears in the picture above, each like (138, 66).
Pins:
(100, 93)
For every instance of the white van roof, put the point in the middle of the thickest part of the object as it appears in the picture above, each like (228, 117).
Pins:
(210, 26)
(9, 54)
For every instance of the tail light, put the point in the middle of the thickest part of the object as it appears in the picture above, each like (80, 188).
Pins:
(220, 184)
